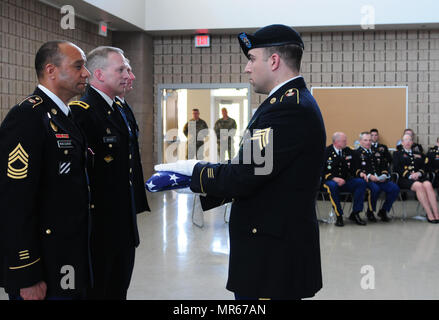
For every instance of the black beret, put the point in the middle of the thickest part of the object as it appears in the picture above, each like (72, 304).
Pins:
(269, 36)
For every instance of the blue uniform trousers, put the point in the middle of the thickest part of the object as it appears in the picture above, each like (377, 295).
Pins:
(356, 186)
(391, 190)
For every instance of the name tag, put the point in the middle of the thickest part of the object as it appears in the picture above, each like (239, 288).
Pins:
(110, 139)
(65, 144)
(417, 155)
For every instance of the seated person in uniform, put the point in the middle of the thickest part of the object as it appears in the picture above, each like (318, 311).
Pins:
(376, 177)
(411, 167)
(382, 153)
(416, 146)
(339, 176)
(433, 163)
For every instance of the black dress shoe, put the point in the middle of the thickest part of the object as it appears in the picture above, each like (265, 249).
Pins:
(432, 221)
(383, 215)
(355, 216)
(370, 216)
(339, 222)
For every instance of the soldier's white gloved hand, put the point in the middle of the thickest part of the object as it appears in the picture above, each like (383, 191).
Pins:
(181, 166)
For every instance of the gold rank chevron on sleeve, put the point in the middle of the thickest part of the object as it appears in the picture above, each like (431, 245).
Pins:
(18, 163)
(262, 136)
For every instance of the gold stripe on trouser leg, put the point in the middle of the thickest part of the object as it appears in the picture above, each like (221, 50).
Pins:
(332, 200)
(369, 199)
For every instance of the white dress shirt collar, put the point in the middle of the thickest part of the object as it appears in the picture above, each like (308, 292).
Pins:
(281, 84)
(105, 96)
(367, 150)
(65, 109)
(337, 151)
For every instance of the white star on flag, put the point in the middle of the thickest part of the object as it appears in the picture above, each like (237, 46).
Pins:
(150, 185)
(173, 177)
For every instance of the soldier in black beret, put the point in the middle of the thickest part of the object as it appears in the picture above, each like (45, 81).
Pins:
(44, 198)
(274, 234)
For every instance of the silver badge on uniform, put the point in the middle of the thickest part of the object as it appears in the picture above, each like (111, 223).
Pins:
(64, 167)
(65, 144)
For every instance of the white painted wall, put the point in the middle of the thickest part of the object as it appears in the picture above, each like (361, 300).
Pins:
(162, 15)
(132, 11)
(223, 14)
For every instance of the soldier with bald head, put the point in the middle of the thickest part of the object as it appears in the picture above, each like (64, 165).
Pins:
(44, 199)
(339, 176)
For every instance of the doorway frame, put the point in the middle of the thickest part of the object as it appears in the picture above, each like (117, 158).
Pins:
(189, 86)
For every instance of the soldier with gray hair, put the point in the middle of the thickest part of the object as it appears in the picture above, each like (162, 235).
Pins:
(116, 195)
(339, 176)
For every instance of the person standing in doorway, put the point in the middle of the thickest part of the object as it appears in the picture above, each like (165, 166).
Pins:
(225, 129)
(195, 130)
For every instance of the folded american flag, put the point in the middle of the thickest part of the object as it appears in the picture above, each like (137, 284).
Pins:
(167, 180)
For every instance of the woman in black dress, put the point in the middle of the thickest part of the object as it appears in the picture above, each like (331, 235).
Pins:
(411, 167)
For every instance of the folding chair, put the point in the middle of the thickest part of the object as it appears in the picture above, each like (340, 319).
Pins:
(344, 198)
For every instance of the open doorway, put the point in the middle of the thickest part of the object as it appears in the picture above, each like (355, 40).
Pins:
(175, 110)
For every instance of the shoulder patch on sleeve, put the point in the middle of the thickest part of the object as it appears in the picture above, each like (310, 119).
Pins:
(82, 104)
(293, 92)
(33, 100)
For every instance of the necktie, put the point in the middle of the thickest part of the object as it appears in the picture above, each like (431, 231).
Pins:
(122, 112)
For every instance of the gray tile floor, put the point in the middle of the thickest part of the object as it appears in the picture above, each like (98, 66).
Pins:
(178, 260)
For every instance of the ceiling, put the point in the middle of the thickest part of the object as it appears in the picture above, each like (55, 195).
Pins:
(93, 14)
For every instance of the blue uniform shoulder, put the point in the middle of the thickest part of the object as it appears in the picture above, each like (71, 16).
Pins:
(291, 96)
(32, 101)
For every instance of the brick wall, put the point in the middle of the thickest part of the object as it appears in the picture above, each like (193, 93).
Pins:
(24, 26)
(372, 58)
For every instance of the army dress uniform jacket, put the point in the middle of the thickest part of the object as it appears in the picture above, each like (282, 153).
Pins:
(274, 235)
(44, 199)
(138, 178)
(341, 166)
(416, 147)
(383, 156)
(405, 163)
(368, 163)
(433, 163)
(112, 173)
